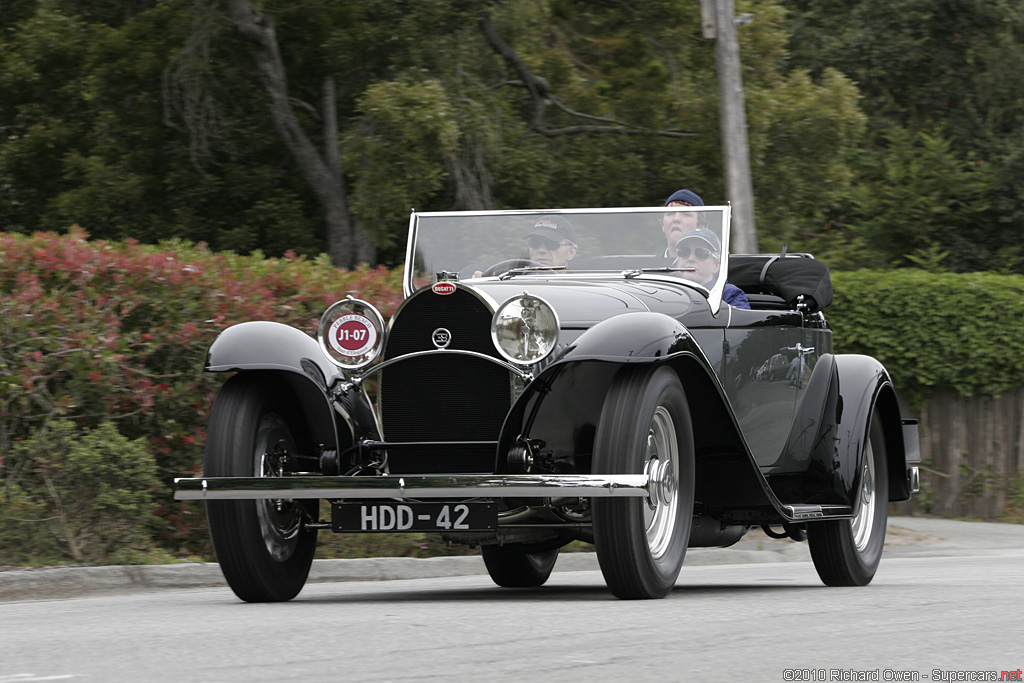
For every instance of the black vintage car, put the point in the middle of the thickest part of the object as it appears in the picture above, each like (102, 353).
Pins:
(518, 402)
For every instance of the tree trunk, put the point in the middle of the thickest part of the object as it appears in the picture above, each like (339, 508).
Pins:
(346, 244)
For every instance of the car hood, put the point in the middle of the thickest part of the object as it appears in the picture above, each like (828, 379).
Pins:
(582, 303)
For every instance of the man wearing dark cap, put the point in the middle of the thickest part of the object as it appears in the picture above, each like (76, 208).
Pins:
(696, 247)
(701, 250)
(552, 241)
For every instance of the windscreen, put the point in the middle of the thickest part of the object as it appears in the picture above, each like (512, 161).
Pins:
(689, 243)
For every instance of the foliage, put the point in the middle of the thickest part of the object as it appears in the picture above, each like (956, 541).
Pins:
(934, 330)
(117, 331)
(941, 85)
(92, 489)
(150, 122)
(396, 116)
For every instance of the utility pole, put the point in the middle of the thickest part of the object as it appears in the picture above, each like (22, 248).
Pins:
(719, 23)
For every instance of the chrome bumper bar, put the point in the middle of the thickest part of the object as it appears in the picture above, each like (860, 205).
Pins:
(414, 486)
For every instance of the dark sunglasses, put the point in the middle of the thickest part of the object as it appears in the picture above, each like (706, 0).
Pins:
(543, 242)
(701, 253)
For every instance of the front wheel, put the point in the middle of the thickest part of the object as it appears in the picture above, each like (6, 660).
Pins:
(645, 428)
(847, 552)
(517, 565)
(262, 546)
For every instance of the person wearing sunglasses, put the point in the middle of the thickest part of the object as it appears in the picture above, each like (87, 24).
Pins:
(701, 250)
(552, 241)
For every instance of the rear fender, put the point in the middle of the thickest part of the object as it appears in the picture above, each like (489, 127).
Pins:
(865, 386)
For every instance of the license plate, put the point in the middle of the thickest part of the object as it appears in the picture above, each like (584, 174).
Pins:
(390, 517)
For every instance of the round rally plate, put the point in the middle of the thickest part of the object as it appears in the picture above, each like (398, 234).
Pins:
(352, 335)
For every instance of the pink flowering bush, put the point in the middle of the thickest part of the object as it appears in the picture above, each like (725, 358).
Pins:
(100, 332)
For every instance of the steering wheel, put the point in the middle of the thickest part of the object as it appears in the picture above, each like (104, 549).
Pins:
(509, 264)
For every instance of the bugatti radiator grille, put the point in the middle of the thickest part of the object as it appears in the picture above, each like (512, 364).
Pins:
(443, 397)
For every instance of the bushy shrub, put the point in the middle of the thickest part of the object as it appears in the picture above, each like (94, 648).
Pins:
(99, 331)
(91, 489)
(961, 331)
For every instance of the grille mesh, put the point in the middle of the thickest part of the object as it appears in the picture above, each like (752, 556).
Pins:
(443, 397)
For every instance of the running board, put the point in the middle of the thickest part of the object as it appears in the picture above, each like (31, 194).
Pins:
(811, 513)
(450, 486)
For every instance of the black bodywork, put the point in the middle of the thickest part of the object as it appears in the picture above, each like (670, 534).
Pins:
(769, 449)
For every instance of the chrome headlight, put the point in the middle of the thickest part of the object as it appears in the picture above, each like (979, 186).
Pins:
(525, 329)
(351, 333)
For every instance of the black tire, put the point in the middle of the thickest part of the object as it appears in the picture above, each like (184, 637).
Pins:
(514, 566)
(847, 552)
(261, 545)
(645, 423)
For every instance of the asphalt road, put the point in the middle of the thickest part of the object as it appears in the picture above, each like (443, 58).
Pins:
(947, 600)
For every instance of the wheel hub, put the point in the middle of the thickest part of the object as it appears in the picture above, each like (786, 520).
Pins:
(661, 486)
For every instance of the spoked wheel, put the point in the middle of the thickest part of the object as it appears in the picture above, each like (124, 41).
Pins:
(645, 428)
(261, 545)
(847, 552)
(516, 565)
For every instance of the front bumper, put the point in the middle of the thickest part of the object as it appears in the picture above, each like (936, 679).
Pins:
(415, 487)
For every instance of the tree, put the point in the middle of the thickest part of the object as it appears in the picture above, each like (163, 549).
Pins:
(163, 126)
(942, 87)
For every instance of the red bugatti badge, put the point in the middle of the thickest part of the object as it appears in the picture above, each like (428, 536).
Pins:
(443, 288)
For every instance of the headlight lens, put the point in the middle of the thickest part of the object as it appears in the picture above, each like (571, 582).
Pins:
(351, 333)
(525, 329)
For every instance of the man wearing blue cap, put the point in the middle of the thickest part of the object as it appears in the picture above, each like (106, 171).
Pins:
(696, 248)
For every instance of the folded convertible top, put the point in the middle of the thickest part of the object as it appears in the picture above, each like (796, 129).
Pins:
(783, 275)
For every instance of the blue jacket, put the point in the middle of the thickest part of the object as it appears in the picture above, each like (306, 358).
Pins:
(735, 297)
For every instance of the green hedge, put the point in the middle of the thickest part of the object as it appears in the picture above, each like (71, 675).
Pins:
(934, 330)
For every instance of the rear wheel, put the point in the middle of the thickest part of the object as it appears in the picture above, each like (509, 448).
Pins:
(847, 552)
(516, 566)
(263, 549)
(645, 428)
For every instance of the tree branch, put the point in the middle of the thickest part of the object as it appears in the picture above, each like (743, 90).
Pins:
(541, 97)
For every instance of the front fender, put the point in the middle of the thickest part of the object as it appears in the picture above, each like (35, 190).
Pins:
(262, 345)
(562, 407)
(296, 358)
(637, 337)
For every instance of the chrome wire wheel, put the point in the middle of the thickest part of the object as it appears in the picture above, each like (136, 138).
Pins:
(863, 521)
(662, 467)
(645, 427)
(280, 520)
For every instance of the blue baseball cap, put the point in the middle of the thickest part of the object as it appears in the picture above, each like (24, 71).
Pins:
(691, 198)
(704, 235)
